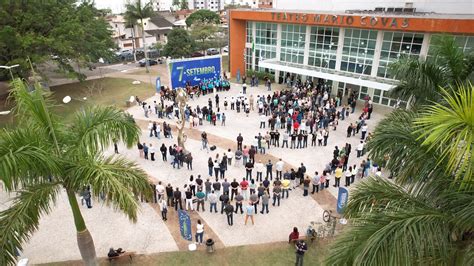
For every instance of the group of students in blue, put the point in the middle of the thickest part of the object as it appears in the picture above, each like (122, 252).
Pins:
(219, 84)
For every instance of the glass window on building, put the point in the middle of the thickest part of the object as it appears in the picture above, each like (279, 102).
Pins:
(248, 58)
(263, 52)
(323, 47)
(292, 43)
(396, 45)
(265, 33)
(249, 31)
(358, 51)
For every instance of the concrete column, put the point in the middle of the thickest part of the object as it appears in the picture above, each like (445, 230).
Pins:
(306, 45)
(278, 50)
(254, 31)
(425, 46)
(378, 49)
(340, 44)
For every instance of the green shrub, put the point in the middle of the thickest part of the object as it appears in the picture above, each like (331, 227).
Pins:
(261, 75)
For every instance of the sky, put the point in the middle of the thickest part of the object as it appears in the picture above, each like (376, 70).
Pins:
(117, 6)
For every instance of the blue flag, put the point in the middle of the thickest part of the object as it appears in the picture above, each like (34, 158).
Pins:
(185, 225)
(342, 198)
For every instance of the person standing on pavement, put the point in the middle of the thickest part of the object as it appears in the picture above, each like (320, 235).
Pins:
(163, 208)
(306, 183)
(199, 232)
(249, 210)
(285, 187)
(177, 199)
(224, 198)
(212, 201)
(244, 185)
(269, 167)
(234, 189)
(276, 194)
(240, 139)
(189, 199)
(259, 168)
(169, 195)
(229, 211)
(265, 200)
(200, 196)
(163, 151)
(230, 155)
(316, 181)
(337, 176)
(238, 203)
(279, 168)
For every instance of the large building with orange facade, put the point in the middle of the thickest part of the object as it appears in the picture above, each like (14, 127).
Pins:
(351, 49)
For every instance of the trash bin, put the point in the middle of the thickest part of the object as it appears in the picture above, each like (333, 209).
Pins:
(210, 245)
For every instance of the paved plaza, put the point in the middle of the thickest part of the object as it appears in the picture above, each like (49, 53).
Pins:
(55, 240)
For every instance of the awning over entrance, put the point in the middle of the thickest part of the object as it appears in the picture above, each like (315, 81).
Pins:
(330, 74)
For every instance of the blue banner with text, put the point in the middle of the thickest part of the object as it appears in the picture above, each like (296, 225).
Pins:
(342, 198)
(194, 71)
(185, 225)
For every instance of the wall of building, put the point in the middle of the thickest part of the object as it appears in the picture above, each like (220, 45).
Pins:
(438, 6)
(213, 5)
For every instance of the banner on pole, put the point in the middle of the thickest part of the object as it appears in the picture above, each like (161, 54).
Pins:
(185, 225)
(194, 70)
(342, 198)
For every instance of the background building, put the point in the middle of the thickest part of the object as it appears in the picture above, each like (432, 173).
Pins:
(351, 50)
(213, 5)
(163, 5)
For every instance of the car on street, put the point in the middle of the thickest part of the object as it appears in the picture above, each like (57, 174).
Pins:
(212, 51)
(225, 49)
(197, 54)
(151, 62)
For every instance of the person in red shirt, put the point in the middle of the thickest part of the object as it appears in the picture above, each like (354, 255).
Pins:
(294, 235)
(244, 185)
(296, 126)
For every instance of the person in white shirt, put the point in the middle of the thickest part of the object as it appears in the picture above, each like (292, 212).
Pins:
(158, 130)
(259, 167)
(152, 151)
(160, 191)
(354, 173)
(348, 175)
(360, 148)
(230, 155)
(199, 232)
(315, 182)
(163, 208)
(379, 172)
(279, 168)
(263, 120)
(364, 131)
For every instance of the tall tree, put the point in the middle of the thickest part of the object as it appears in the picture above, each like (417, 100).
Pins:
(184, 5)
(130, 23)
(139, 11)
(204, 34)
(421, 80)
(41, 29)
(43, 157)
(203, 15)
(179, 44)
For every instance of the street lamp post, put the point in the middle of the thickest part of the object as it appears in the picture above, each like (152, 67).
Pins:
(10, 69)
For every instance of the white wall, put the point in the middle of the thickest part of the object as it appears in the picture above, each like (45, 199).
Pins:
(438, 6)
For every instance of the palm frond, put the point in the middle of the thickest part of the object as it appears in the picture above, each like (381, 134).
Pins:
(33, 108)
(18, 222)
(393, 138)
(120, 180)
(448, 130)
(419, 80)
(391, 226)
(95, 128)
(25, 157)
(451, 58)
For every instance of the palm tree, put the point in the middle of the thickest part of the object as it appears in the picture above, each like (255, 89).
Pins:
(130, 23)
(137, 11)
(42, 157)
(421, 80)
(426, 216)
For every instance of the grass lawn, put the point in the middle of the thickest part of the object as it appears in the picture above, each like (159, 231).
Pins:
(264, 254)
(115, 91)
